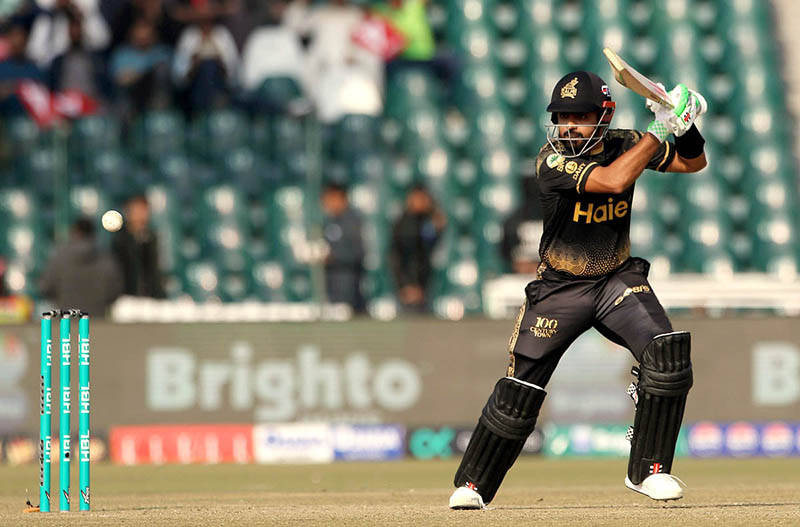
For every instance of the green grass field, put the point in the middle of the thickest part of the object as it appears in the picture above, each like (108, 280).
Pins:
(536, 491)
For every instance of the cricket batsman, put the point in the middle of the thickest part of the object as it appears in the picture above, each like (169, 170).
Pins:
(587, 278)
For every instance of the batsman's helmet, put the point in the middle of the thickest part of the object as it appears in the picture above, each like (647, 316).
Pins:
(581, 92)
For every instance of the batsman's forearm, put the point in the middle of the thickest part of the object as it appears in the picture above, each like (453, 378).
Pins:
(621, 174)
(690, 145)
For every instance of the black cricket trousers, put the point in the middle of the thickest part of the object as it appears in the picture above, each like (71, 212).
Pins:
(558, 308)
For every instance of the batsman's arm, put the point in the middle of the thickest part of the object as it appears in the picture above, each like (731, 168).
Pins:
(690, 156)
(621, 174)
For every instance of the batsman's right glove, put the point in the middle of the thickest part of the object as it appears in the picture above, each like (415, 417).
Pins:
(688, 105)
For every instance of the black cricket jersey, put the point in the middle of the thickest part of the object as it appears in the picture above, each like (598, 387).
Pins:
(588, 234)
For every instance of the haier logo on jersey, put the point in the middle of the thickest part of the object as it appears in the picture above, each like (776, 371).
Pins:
(599, 213)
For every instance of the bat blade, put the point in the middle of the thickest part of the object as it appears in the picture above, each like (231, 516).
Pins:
(627, 76)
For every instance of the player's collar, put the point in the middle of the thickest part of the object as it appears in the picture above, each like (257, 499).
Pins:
(598, 149)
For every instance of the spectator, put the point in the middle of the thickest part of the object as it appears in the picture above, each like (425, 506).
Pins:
(247, 16)
(328, 27)
(205, 63)
(331, 51)
(190, 12)
(414, 237)
(344, 263)
(258, 64)
(15, 68)
(410, 18)
(522, 231)
(79, 275)
(347, 90)
(140, 70)
(135, 248)
(122, 14)
(79, 68)
(50, 34)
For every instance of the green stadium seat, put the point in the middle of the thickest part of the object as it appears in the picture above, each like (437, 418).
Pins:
(497, 165)
(19, 280)
(38, 170)
(17, 205)
(774, 235)
(112, 171)
(288, 135)
(235, 287)
(87, 200)
(433, 167)
(222, 225)
(214, 134)
(156, 134)
(165, 220)
(23, 135)
(298, 284)
(707, 235)
(477, 44)
(261, 136)
(92, 134)
(269, 280)
(248, 172)
(184, 175)
(202, 281)
(504, 17)
(354, 135)
(646, 234)
(287, 225)
(370, 167)
(479, 85)
(276, 94)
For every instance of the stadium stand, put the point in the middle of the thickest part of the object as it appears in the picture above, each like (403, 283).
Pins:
(233, 190)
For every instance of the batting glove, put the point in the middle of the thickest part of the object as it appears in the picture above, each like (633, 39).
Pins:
(661, 126)
(689, 105)
(686, 108)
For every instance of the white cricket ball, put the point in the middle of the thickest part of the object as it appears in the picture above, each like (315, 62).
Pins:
(112, 221)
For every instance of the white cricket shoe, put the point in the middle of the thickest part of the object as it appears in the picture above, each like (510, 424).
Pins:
(466, 498)
(658, 487)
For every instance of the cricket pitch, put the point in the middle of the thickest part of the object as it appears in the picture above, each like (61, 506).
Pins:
(536, 491)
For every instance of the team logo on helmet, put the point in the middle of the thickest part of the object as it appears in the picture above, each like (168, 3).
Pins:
(570, 89)
(604, 89)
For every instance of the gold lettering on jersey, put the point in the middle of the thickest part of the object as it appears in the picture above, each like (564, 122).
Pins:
(570, 89)
(631, 290)
(577, 171)
(599, 213)
(545, 327)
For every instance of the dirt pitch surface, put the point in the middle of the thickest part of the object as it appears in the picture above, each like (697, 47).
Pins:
(536, 491)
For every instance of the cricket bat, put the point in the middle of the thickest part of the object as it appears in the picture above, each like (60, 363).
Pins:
(635, 81)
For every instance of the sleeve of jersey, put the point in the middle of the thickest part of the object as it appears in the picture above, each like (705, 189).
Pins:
(663, 156)
(565, 175)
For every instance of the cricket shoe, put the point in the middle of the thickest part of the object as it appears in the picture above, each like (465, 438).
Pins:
(466, 498)
(658, 487)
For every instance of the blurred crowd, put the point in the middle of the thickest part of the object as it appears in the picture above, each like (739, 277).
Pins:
(132, 55)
